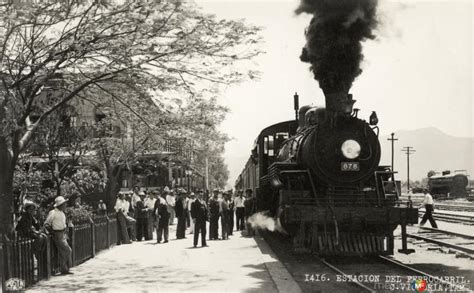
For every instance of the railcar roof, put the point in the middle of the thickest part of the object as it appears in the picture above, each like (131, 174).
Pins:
(275, 127)
(447, 175)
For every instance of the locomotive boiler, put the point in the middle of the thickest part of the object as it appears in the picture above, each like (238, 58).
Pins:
(320, 177)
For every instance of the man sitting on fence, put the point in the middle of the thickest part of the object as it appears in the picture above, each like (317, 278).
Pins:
(29, 227)
(121, 207)
(56, 222)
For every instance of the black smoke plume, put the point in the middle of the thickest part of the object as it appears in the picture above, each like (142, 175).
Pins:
(333, 40)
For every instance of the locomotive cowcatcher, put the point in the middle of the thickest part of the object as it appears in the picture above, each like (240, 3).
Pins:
(319, 176)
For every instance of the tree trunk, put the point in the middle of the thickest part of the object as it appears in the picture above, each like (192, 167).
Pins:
(113, 187)
(6, 188)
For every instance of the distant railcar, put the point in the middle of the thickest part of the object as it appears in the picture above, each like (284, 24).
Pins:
(455, 185)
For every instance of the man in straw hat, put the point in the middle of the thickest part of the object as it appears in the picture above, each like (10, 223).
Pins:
(29, 227)
(56, 221)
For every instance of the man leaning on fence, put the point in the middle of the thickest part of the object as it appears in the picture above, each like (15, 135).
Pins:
(56, 223)
(28, 226)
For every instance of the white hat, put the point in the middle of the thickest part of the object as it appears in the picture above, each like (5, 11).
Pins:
(167, 189)
(59, 201)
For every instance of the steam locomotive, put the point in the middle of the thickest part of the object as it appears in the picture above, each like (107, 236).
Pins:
(456, 185)
(319, 176)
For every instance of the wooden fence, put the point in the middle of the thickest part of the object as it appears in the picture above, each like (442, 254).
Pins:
(21, 265)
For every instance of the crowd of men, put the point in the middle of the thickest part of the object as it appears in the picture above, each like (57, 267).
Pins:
(139, 213)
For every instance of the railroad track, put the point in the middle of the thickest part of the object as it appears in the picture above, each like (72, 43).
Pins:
(458, 241)
(392, 275)
(351, 274)
(453, 218)
(456, 207)
(446, 285)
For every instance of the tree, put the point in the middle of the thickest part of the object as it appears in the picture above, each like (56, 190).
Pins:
(52, 52)
(62, 145)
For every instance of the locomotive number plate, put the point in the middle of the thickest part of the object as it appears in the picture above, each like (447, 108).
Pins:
(349, 166)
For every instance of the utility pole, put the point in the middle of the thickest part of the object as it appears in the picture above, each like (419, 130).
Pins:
(408, 151)
(392, 139)
(207, 173)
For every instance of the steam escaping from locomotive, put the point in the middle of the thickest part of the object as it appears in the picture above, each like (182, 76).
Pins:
(261, 220)
(334, 40)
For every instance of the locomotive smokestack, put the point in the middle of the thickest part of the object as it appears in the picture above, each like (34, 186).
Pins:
(339, 103)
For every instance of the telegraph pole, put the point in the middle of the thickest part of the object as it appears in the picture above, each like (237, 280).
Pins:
(207, 173)
(408, 151)
(392, 139)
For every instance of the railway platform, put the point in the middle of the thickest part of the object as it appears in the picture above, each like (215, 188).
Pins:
(240, 264)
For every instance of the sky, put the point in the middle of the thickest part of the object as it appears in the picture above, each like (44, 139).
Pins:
(417, 73)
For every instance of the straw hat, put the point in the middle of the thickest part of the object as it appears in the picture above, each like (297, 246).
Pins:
(59, 201)
(28, 205)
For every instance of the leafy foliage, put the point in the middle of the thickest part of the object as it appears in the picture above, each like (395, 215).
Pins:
(154, 65)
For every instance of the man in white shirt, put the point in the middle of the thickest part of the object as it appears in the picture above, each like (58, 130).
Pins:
(191, 199)
(429, 208)
(240, 210)
(170, 202)
(56, 221)
(121, 207)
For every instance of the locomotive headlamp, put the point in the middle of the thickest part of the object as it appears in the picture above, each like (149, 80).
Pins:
(350, 149)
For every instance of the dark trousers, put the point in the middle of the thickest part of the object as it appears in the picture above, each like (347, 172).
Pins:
(181, 229)
(250, 230)
(428, 216)
(224, 226)
(214, 227)
(149, 227)
(123, 236)
(163, 229)
(200, 226)
(188, 218)
(142, 228)
(239, 216)
(230, 220)
(64, 251)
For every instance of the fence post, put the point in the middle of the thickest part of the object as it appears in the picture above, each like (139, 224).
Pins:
(2, 271)
(48, 260)
(108, 230)
(8, 266)
(73, 245)
(92, 237)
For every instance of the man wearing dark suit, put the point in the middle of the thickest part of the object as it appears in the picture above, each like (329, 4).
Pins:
(163, 222)
(141, 216)
(199, 213)
(179, 207)
(214, 209)
(250, 209)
